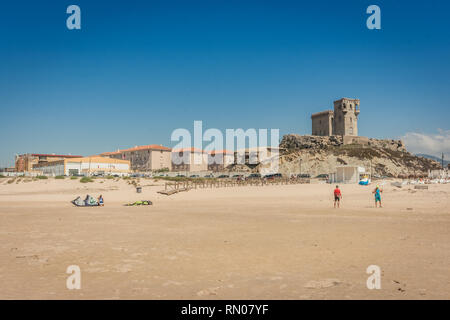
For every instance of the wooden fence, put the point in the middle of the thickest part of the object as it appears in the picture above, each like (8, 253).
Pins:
(179, 186)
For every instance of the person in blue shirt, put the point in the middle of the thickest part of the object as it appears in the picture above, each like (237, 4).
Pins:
(100, 201)
(377, 192)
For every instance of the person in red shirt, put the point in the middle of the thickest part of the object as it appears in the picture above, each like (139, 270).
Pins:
(337, 196)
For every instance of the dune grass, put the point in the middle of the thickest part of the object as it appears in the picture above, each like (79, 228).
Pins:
(86, 180)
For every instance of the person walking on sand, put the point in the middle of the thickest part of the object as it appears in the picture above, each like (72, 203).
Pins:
(377, 192)
(337, 196)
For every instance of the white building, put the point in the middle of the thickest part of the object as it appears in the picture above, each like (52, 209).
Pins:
(439, 174)
(85, 166)
(348, 174)
(144, 158)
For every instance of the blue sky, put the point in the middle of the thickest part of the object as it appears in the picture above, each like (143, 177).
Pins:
(138, 70)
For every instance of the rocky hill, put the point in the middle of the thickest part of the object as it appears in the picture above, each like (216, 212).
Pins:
(316, 155)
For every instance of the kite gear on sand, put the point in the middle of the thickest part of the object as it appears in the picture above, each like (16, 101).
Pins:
(140, 203)
(87, 202)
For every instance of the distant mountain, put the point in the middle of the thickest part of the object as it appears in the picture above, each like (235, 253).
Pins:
(446, 162)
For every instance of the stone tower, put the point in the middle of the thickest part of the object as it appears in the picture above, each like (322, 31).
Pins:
(345, 117)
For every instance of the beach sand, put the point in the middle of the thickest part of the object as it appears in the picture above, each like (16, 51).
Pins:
(266, 242)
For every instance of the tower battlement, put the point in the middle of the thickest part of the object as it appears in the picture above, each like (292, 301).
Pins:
(342, 121)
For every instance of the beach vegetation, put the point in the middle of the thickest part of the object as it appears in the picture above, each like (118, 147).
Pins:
(86, 180)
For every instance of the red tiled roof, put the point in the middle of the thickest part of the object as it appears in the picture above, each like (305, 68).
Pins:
(148, 147)
(54, 155)
(213, 152)
(109, 153)
(192, 150)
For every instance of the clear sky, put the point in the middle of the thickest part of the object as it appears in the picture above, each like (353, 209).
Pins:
(137, 70)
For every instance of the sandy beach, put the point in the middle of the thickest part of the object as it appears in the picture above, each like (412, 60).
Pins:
(269, 242)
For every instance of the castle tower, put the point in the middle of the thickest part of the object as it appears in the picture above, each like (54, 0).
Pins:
(345, 119)
(322, 123)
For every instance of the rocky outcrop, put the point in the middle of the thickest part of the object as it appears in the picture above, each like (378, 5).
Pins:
(297, 142)
(316, 155)
(395, 145)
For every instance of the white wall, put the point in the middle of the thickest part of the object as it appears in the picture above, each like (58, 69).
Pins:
(439, 174)
(160, 159)
(347, 174)
(53, 170)
(86, 168)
